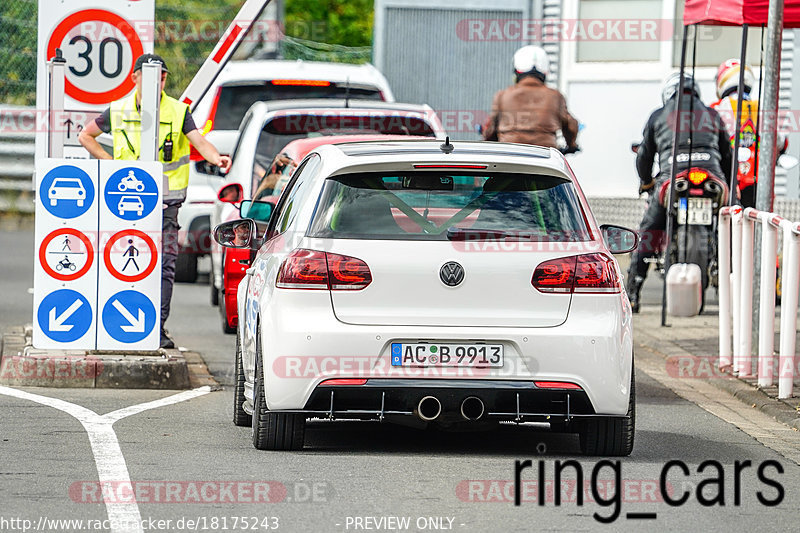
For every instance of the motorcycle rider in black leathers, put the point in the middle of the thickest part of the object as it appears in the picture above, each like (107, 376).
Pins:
(710, 151)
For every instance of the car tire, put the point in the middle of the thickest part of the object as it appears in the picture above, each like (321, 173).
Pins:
(186, 267)
(274, 431)
(610, 436)
(240, 417)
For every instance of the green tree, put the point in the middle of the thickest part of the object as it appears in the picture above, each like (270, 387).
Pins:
(340, 22)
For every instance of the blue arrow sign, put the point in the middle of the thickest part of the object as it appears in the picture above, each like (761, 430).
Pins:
(66, 192)
(131, 193)
(129, 316)
(64, 315)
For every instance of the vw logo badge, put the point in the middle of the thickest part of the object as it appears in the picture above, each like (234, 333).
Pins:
(451, 273)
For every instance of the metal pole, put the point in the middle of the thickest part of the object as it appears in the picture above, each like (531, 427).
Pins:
(737, 129)
(765, 190)
(765, 187)
(671, 195)
(55, 102)
(151, 100)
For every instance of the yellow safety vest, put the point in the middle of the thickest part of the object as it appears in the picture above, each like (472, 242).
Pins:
(126, 127)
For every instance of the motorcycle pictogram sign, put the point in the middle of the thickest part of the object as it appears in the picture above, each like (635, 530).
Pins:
(131, 193)
(66, 254)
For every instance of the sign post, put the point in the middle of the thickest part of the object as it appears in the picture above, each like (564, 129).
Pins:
(55, 105)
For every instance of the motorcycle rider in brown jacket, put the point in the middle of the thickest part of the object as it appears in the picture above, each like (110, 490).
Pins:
(529, 112)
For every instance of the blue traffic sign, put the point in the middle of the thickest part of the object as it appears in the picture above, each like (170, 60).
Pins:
(129, 316)
(66, 191)
(64, 315)
(131, 193)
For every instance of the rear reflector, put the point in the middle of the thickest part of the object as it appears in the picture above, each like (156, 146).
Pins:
(344, 382)
(556, 385)
(315, 270)
(303, 83)
(588, 273)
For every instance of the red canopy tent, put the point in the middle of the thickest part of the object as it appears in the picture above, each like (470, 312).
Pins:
(738, 12)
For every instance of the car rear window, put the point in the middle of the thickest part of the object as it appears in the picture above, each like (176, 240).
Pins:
(440, 206)
(235, 100)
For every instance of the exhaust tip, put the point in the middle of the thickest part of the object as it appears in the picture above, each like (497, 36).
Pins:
(472, 408)
(429, 408)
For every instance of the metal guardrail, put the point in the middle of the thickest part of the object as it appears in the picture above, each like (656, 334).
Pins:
(736, 240)
(16, 159)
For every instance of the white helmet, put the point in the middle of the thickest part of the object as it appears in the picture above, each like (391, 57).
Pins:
(728, 78)
(674, 81)
(532, 60)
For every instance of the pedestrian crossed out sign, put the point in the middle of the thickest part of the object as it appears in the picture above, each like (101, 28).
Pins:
(130, 255)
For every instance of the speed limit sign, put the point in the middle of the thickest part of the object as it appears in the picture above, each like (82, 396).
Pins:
(100, 41)
(99, 64)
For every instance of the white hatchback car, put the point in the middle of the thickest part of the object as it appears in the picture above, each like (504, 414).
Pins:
(457, 284)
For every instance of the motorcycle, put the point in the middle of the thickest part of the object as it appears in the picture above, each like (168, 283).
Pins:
(699, 195)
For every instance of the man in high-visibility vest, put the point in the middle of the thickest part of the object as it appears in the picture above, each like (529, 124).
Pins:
(176, 133)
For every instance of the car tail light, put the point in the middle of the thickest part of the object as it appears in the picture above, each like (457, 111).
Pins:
(596, 273)
(194, 155)
(347, 273)
(556, 275)
(344, 381)
(311, 269)
(304, 269)
(588, 273)
(557, 385)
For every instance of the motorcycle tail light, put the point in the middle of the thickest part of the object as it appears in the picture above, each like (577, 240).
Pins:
(312, 269)
(697, 176)
(588, 273)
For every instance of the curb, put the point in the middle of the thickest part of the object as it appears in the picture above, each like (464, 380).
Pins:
(743, 391)
(23, 365)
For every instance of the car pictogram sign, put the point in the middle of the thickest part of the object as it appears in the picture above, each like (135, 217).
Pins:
(129, 316)
(66, 192)
(131, 193)
(130, 255)
(64, 316)
(66, 254)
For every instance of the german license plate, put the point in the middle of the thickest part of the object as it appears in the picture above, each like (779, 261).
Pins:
(699, 209)
(466, 355)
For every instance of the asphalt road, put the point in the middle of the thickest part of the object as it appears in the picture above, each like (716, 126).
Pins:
(194, 470)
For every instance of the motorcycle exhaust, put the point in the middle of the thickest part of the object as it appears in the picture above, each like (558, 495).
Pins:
(472, 408)
(429, 408)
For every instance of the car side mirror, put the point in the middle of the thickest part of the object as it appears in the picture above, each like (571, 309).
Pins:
(231, 193)
(236, 233)
(260, 211)
(619, 240)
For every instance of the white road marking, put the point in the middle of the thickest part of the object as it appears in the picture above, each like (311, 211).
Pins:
(111, 467)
